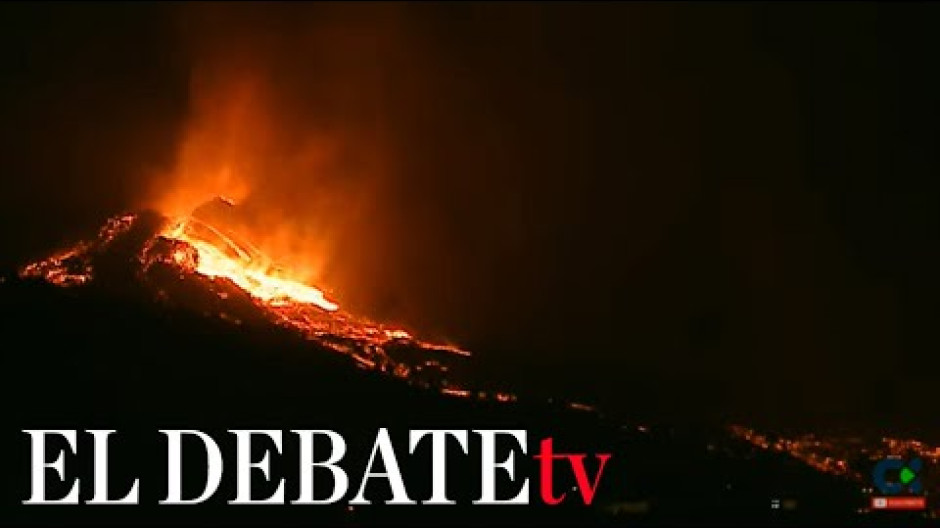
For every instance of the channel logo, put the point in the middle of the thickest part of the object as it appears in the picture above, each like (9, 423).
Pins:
(899, 482)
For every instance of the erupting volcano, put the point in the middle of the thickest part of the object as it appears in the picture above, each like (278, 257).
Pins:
(202, 262)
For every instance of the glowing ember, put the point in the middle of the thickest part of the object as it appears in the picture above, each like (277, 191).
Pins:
(66, 268)
(239, 264)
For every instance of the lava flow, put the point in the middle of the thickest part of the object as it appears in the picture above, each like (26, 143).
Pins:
(191, 260)
(249, 270)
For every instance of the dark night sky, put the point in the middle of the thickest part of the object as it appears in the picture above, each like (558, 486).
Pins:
(732, 206)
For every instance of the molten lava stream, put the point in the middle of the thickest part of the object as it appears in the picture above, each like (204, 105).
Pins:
(235, 263)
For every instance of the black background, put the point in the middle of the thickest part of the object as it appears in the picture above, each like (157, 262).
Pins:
(697, 210)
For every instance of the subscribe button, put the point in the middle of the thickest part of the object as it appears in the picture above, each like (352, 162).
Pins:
(898, 503)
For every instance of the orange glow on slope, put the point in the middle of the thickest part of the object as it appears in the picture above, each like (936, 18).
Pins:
(55, 269)
(247, 268)
(200, 253)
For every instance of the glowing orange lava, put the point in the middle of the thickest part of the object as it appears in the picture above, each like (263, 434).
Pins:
(221, 256)
(192, 245)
